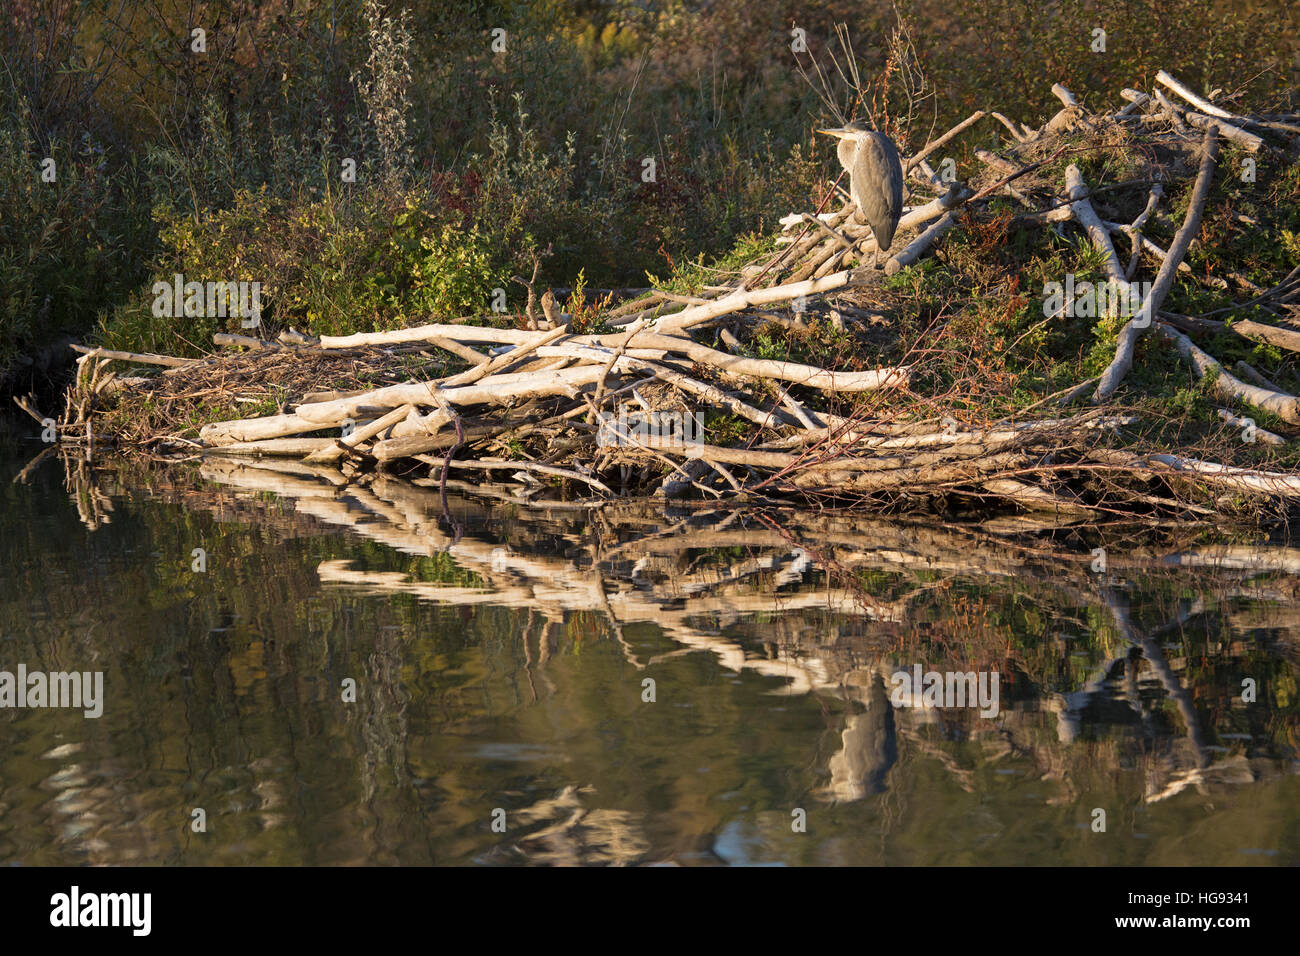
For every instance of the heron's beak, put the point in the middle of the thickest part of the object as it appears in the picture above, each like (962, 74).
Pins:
(838, 131)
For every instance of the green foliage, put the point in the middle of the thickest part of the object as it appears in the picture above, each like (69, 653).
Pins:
(228, 166)
(327, 266)
(66, 245)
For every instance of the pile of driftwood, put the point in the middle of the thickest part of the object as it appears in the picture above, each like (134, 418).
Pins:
(626, 412)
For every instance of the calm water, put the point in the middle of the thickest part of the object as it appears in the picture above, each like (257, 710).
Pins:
(500, 663)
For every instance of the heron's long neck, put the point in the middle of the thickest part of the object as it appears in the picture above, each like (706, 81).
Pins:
(846, 149)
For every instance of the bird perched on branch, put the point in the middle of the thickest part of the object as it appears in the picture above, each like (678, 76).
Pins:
(875, 178)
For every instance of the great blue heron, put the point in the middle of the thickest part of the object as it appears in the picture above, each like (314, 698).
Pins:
(875, 178)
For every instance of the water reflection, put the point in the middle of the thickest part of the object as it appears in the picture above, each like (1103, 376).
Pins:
(501, 656)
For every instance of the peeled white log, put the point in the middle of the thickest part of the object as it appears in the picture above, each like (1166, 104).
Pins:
(1261, 434)
(1065, 96)
(1011, 127)
(256, 429)
(1273, 335)
(1135, 102)
(1034, 497)
(1204, 105)
(1083, 213)
(519, 351)
(908, 255)
(1285, 407)
(1250, 141)
(361, 434)
(422, 333)
(591, 354)
(143, 358)
(1128, 336)
(293, 447)
(1238, 479)
(792, 372)
(494, 388)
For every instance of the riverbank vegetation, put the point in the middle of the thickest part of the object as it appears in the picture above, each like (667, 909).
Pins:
(659, 176)
(220, 153)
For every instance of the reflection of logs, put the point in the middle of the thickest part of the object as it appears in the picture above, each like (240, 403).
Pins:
(1156, 658)
(758, 573)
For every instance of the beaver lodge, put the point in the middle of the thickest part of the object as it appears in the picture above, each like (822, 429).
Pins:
(955, 377)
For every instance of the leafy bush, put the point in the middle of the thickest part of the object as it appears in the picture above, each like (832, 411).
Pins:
(65, 245)
(328, 266)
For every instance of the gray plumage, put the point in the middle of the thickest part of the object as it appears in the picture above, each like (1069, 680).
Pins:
(875, 178)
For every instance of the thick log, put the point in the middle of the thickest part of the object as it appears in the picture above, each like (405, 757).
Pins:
(1202, 104)
(462, 351)
(256, 429)
(1136, 100)
(793, 372)
(1083, 213)
(521, 350)
(231, 340)
(425, 333)
(1236, 479)
(1250, 141)
(745, 298)
(291, 447)
(418, 444)
(913, 250)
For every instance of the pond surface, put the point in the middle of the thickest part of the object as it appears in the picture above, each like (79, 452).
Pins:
(625, 685)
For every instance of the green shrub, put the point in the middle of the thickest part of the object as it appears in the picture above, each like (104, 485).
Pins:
(65, 246)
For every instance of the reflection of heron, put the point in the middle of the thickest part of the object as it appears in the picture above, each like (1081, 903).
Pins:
(870, 744)
(875, 178)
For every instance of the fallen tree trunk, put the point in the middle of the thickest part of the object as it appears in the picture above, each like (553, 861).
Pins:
(793, 372)
(289, 447)
(496, 389)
